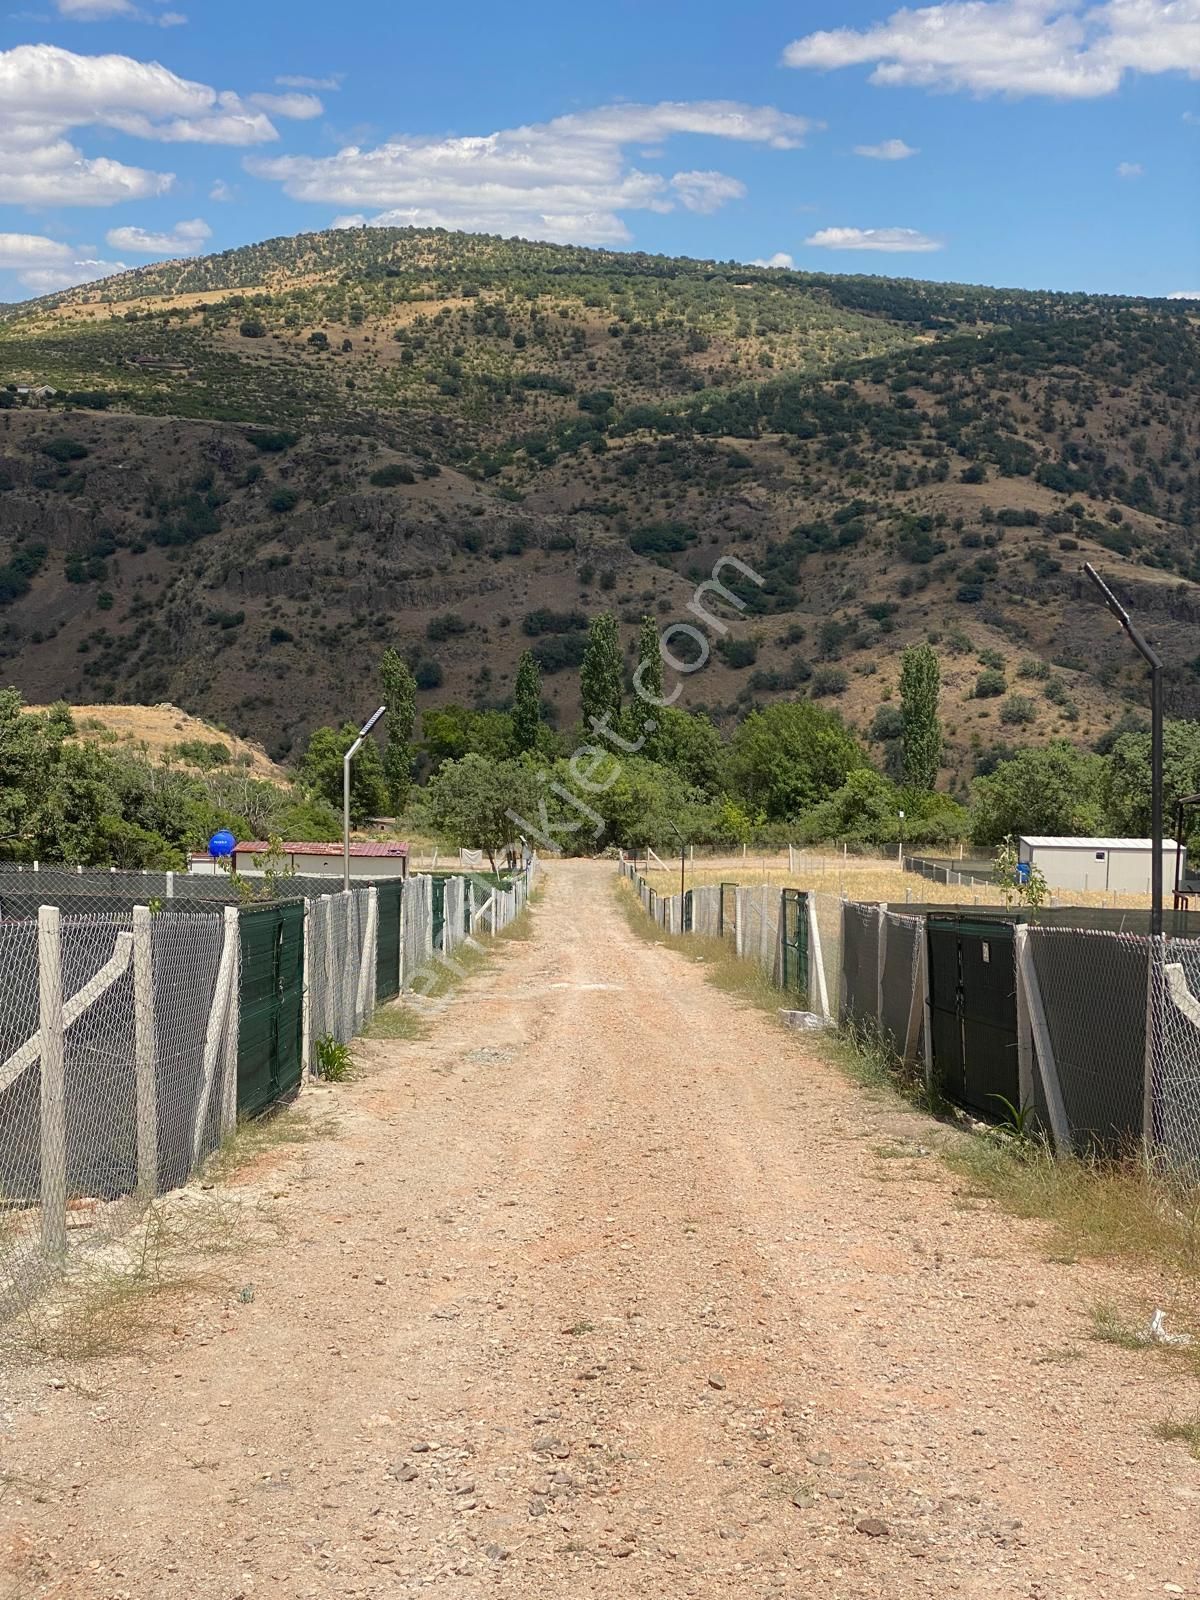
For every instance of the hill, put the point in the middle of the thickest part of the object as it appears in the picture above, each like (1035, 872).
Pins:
(165, 733)
(259, 468)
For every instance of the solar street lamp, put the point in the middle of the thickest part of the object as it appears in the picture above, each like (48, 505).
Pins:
(346, 760)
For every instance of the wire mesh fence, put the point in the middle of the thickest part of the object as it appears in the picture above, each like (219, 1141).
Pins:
(119, 1074)
(797, 948)
(1091, 1034)
(133, 1037)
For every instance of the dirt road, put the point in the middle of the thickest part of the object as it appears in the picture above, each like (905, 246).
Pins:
(609, 1288)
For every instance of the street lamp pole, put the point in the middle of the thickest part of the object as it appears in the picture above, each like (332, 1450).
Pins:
(346, 760)
(1154, 661)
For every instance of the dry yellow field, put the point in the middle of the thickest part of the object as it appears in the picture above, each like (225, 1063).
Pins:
(857, 878)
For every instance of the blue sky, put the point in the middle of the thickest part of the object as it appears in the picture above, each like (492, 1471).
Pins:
(1032, 143)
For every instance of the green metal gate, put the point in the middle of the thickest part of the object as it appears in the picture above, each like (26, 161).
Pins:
(688, 912)
(271, 1004)
(973, 1013)
(389, 898)
(793, 940)
(439, 911)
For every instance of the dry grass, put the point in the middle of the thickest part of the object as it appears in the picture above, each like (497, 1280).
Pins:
(154, 729)
(396, 1021)
(859, 878)
(1097, 1210)
(743, 980)
(111, 1301)
(1180, 1433)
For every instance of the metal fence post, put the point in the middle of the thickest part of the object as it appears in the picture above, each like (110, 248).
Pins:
(53, 1110)
(143, 1052)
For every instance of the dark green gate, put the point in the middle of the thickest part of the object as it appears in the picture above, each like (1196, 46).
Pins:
(688, 912)
(439, 911)
(271, 1004)
(389, 898)
(973, 1013)
(793, 940)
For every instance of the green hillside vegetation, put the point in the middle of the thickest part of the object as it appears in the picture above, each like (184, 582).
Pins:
(263, 467)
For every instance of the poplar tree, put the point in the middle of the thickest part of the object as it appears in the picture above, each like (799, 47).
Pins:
(527, 705)
(400, 698)
(600, 676)
(920, 684)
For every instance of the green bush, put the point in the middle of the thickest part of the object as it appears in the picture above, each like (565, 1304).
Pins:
(1018, 710)
(395, 472)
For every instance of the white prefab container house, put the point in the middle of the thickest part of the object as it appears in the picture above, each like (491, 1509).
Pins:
(368, 859)
(1121, 866)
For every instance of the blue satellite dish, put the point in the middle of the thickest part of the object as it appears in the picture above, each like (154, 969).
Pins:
(222, 844)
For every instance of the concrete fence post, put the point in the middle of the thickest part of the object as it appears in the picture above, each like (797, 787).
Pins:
(306, 996)
(233, 1022)
(144, 1053)
(53, 1107)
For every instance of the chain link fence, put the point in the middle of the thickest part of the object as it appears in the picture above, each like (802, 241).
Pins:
(132, 1037)
(119, 1039)
(751, 920)
(1091, 1033)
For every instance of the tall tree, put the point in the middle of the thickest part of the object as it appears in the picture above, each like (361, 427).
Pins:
(400, 697)
(601, 674)
(791, 756)
(321, 769)
(648, 682)
(920, 685)
(527, 705)
(650, 667)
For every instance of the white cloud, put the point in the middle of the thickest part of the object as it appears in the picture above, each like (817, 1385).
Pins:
(333, 81)
(106, 10)
(706, 191)
(49, 280)
(568, 179)
(899, 240)
(779, 259)
(1069, 49)
(1130, 169)
(1184, 294)
(224, 193)
(45, 92)
(299, 107)
(889, 150)
(32, 249)
(184, 239)
(45, 265)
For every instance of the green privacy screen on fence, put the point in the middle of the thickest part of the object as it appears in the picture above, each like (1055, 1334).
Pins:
(272, 993)
(387, 964)
(793, 941)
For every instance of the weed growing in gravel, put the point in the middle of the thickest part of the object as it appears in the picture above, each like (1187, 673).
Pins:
(1180, 1433)
(1098, 1209)
(334, 1062)
(111, 1302)
(1110, 1327)
(255, 1137)
(396, 1022)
